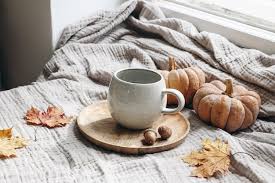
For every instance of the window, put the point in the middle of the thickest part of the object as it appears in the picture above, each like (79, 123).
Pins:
(257, 13)
(247, 23)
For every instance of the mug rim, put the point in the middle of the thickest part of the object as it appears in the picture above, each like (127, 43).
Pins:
(132, 83)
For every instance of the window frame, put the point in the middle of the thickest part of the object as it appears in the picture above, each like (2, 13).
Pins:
(240, 34)
(221, 10)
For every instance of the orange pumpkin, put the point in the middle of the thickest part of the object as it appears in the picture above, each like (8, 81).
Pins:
(226, 106)
(187, 81)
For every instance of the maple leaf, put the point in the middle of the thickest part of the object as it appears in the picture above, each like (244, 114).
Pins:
(53, 117)
(6, 133)
(33, 116)
(8, 143)
(212, 158)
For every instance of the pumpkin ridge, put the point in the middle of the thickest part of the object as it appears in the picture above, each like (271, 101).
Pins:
(175, 78)
(217, 117)
(205, 90)
(243, 95)
(193, 85)
(217, 94)
(252, 109)
(250, 114)
(210, 112)
(228, 111)
(231, 113)
(225, 127)
(218, 100)
(200, 74)
(184, 88)
(211, 102)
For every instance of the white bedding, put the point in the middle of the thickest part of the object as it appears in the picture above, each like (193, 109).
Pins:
(136, 35)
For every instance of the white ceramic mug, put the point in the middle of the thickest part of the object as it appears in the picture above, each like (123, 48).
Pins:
(137, 97)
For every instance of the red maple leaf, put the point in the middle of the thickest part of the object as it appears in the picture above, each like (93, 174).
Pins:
(53, 117)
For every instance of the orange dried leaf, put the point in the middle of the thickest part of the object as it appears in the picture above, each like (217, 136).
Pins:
(6, 133)
(53, 117)
(8, 144)
(33, 116)
(212, 158)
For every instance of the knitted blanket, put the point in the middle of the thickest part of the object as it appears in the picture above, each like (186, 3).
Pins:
(138, 34)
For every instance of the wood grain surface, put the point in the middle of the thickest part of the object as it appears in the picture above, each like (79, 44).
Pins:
(97, 125)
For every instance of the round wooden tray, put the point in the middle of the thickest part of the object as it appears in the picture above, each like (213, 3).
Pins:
(97, 125)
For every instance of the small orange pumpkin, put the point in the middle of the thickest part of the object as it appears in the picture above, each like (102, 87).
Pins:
(226, 106)
(187, 81)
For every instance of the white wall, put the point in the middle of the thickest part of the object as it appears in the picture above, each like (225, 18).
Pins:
(66, 12)
(31, 29)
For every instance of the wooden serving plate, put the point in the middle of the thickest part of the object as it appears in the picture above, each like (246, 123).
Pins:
(97, 125)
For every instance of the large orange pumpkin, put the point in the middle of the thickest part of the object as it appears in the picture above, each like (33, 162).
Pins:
(226, 106)
(187, 81)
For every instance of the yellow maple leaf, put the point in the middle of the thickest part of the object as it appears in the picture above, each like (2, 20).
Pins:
(212, 158)
(8, 143)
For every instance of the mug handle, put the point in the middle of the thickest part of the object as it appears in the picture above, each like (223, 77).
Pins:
(180, 98)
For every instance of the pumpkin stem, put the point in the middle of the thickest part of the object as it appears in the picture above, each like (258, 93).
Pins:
(172, 63)
(229, 87)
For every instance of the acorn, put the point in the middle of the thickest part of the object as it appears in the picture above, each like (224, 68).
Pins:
(164, 132)
(150, 136)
